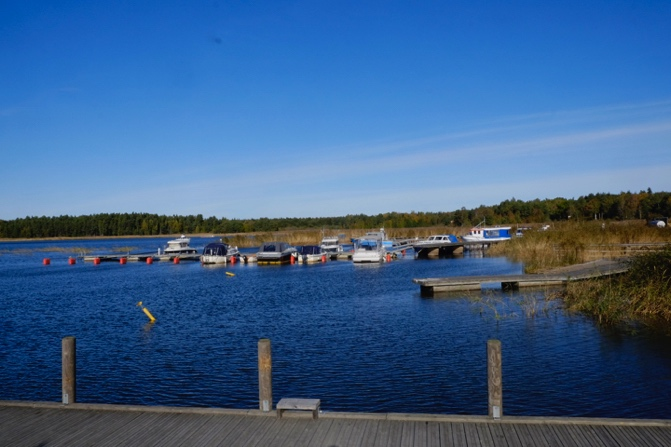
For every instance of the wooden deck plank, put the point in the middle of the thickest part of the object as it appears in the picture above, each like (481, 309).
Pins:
(243, 430)
(358, 432)
(98, 423)
(133, 432)
(433, 433)
(383, 434)
(256, 431)
(346, 430)
(664, 434)
(279, 433)
(497, 434)
(568, 437)
(215, 428)
(536, 436)
(370, 433)
(453, 434)
(472, 435)
(314, 433)
(52, 426)
(333, 432)
(301, 431)
(407, 433)
(629, 436)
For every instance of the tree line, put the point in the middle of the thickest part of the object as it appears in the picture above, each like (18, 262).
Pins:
(624, 206)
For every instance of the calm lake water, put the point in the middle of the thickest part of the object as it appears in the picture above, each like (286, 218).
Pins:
(359, 337)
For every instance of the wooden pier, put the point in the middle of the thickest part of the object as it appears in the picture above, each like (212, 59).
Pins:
(141, 257)
(560, 276)
(30, 424)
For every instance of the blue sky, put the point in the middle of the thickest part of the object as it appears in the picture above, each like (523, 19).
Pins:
(249, 109)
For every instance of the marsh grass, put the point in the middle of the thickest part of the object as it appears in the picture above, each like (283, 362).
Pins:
(567, 243)
(640, 296)
(498, 306)
(314, 237)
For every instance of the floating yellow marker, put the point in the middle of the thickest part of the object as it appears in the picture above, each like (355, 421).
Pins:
(230, 274)
(146, 312)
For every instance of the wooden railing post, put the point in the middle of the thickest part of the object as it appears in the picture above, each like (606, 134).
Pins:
(265, 376)
(494, 380)
(69, 370)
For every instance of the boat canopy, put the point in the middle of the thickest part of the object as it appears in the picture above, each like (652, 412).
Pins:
(275, 247)
(309, 249)
(215, 249)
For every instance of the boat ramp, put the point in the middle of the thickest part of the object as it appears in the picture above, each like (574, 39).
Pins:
(555, 277)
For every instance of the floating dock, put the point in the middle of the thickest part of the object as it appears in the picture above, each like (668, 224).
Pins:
(141, 257)
(560, 276)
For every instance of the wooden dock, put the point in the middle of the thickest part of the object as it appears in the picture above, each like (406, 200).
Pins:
(560, 276)
(30, 424)
(141, 257)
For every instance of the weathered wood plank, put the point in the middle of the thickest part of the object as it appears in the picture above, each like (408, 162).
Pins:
(432, 433)
(358, 432)
(370, 433)
(532, 435)
(485, 435)
(314, 433)
(569, 436)
(243, 431)
(453, 434)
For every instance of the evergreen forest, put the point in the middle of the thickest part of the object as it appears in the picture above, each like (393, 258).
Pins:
(624, 206)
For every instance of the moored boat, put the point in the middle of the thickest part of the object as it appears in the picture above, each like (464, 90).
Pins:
(480, 233)
(219, 253)
(331, 245)
(275, 253)
(369, 250)
(438, 239)
(309, 254)
(180, 246)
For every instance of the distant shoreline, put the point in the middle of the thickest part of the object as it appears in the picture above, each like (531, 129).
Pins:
(92, 238)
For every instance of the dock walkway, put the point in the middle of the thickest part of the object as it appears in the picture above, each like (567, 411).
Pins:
(45, 424)
(588, 270)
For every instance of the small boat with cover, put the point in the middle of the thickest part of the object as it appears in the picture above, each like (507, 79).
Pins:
(275, 253)
(219, 253)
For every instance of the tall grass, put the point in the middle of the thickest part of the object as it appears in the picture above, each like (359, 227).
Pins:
(314, 237)
(642, 295)
(567, 243)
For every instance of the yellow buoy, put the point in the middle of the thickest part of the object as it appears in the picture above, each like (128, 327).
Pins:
(230, 274)
(146, 312)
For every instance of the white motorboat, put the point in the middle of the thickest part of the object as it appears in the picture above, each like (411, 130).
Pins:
(219, 253)
(331, 245)
(180, 246)
(310, 254)
(438, 239)
(369, 250)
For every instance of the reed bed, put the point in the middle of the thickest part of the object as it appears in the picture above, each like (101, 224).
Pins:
(314, 237)
(640, 296)
(567, 243)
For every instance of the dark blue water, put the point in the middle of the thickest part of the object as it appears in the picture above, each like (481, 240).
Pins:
(359, 337)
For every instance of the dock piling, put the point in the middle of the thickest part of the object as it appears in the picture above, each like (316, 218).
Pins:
(494, 380)
(265, 376)
(69, 370)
